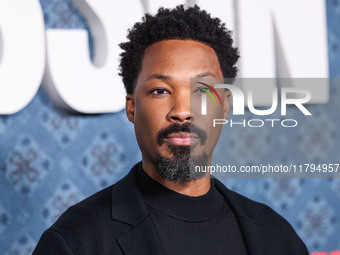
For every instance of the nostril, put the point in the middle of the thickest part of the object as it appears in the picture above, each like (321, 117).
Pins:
(179, 118)
(174, 118)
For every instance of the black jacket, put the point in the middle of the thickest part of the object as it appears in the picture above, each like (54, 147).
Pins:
(116, 221)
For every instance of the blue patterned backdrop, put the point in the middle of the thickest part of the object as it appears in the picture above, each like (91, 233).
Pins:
(50, 159)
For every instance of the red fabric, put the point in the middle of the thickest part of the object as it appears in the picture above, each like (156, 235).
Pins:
(326, 253)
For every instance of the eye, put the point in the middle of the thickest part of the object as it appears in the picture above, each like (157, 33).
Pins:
(203, 90)
(159, 91)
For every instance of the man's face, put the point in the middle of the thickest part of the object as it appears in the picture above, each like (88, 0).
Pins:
(160, 106)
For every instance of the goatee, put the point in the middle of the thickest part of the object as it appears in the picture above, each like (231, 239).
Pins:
(180, 167)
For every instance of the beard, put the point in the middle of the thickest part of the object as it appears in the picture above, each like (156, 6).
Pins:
(182, 166)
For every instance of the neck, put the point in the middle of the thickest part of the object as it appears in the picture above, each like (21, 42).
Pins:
(194, 188)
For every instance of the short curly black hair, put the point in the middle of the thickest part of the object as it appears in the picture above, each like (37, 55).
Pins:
(178, 23)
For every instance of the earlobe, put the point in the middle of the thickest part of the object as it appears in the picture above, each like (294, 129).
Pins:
(130, 107)
(226, 105)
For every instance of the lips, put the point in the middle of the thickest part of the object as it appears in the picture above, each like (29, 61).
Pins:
(186, 134)
(182, 139)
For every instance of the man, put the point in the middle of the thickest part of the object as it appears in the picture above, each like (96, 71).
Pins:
(163, 206)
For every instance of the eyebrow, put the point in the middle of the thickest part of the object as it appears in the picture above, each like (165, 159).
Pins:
(206, 74)
(166, 77)
(159, 77)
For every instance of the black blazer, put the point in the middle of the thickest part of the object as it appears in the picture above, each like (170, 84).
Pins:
(116, 221)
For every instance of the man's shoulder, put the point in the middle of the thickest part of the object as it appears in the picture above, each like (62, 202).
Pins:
(85, 228)
(94, 210)
(89, 227)
(248, 208)
(258, 212)
(99, 210)
(262, 216)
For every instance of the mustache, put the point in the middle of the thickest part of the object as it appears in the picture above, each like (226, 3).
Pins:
(176, 128)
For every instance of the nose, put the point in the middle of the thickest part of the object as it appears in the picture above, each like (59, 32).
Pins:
(180, 108)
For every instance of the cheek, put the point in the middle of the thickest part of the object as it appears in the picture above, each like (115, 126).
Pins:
(213, 134)
(206, 122)
(145, 134)
(143, 113)
(143, 125)
(148, 121)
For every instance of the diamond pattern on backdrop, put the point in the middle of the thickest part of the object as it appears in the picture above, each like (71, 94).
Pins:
(102, 160)
(27, 166)
(66, 194)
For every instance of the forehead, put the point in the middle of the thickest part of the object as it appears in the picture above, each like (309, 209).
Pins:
(180, 58)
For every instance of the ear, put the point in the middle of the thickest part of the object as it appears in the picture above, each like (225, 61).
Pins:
(226, 103)
(130, 107)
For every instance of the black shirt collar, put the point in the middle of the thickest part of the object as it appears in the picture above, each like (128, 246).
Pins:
(177, 205)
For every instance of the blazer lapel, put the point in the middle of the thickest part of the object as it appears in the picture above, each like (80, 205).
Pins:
(141, 236)
(142, 239)
(259, 238)
(128, 207)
